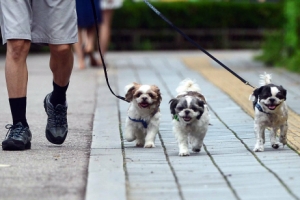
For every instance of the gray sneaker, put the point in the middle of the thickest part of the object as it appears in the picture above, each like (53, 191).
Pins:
(57, 124)
(18, 137)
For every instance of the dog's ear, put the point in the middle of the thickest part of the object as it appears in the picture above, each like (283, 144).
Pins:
(201, 108)
(130, 89)
(283, 91)
(173, 103)
(200, 103)
(254, 96)
(157, 91)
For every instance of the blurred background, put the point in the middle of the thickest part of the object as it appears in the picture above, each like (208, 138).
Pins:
(271, 26)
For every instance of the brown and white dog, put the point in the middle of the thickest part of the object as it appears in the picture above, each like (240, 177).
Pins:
(270, 111)
(143, 118)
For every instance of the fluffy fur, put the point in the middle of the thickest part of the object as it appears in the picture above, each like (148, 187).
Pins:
(270, 112)
(143, 118)
(190, 117)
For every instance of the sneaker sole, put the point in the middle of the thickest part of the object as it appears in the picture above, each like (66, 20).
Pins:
(14, 145)
(49, 136)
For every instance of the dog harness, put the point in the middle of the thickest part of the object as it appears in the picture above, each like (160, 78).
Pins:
(176, 117)
(258, 106)
(145, 124)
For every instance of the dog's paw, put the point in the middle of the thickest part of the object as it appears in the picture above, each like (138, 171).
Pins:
(275, 146)
(139, 143)
(129, 137)
(282, 140)
(258, 148)
(184, 153)
(196, 149)
(149, 145)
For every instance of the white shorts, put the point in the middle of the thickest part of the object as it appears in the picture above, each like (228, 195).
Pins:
(41, 21)
(111, 4)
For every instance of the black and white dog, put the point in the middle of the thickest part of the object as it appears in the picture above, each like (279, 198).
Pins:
(190, 117)
(270, 112)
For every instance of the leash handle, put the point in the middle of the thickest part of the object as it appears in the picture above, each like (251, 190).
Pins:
(195, 44)
(99, 49)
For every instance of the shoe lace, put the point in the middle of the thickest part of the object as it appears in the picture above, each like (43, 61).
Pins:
(57, 117)
(14, 130)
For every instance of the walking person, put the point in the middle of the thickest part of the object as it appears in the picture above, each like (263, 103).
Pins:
(87, 32)
(108, 7)
(37, 21)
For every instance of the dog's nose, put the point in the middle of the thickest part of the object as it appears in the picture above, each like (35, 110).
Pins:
(186, 112)
(272, 100)
(144, 98)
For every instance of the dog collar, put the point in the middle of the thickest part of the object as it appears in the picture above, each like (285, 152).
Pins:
(258, 106)
(176, 117)
(139, 120)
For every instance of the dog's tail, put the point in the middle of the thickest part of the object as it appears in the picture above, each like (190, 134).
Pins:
(188, 85)
(265, 79)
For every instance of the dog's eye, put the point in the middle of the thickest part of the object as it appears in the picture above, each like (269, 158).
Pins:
(179, 108)
(279, 95)
(151, 95)
(194, 109)
(138, 94)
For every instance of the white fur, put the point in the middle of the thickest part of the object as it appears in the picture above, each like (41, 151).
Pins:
(192, 132)
(265, 79)
(144, 137)
(275, 120)
(187, 85)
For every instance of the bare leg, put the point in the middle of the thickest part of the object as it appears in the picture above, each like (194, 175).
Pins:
(16, 68)
(61, 63)
(89, 46)
(105, 29)
(78, 49)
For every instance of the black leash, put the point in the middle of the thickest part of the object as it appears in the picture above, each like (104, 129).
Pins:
(99, 49)
(195, 44)
(174, 27)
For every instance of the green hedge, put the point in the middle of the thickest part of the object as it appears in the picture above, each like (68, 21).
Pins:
(200, 15)
(283, 48)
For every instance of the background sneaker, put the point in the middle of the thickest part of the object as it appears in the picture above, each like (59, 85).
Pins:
(57, 124)
(18, 137)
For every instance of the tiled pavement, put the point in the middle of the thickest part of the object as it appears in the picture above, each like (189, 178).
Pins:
(226, 168)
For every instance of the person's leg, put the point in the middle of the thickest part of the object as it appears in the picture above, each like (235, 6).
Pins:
(89, 46)
(16, 80)
(55, 104)
(61, 65)
(78, 49)
(105, 29)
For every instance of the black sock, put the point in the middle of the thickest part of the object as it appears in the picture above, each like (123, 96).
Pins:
(58, 95)
(18, 110)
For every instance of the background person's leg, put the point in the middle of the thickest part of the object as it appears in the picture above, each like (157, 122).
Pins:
(105, 29)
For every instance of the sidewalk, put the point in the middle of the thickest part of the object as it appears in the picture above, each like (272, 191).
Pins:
(226, 168)
(48, 171)
(96, 163)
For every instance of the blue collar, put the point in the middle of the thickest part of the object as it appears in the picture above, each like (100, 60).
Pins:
(140, 120)
(143, 121)
(258, 106)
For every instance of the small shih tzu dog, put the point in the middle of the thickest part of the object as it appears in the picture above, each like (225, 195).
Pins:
(190, 117)
(270, 112)
(143, 118)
